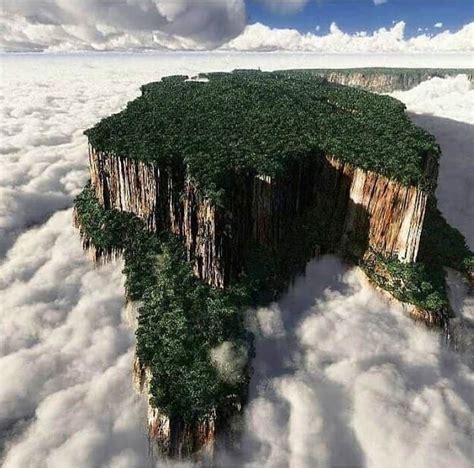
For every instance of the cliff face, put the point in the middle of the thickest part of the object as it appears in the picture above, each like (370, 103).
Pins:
(360, 212)
(380, 82)
(176, 438)
(387, 81)
(390, 215)
(359, 209)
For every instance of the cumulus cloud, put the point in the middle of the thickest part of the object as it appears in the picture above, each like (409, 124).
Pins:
(122, 24)
(438, 25)
(329, 349)
(65, 358)
(444, 108)
(379, 2)
(261, 37)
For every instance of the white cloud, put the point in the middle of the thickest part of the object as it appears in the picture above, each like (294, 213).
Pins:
(261, 37)
(229, 359)
(122, 24)
(327, 351)
(438, 25)
(353, 382)
(65, 357)
(59, 25)
(379, 2)
(285, 6)
(444, 108)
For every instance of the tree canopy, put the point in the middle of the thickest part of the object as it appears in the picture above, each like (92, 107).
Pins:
(252, 122)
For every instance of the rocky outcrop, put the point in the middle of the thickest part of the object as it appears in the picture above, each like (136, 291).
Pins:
(388, 80)
(359, 209)
(176, 438)
(387, 213)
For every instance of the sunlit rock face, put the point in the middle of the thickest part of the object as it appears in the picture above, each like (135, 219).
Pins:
(386, 82)
(360, 209)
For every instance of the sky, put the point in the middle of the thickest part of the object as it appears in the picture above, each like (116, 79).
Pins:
(365, 15)
(296, 25)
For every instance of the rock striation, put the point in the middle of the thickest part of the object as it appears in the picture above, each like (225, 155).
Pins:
(386, 80)
(362, 210)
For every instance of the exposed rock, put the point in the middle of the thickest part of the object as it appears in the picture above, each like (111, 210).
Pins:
(174, 437)
(387, 81)
(363, 209)
(389, 213)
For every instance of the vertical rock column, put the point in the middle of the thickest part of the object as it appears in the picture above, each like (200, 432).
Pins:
(389, 214)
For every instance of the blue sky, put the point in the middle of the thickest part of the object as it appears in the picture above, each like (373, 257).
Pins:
(357, 15)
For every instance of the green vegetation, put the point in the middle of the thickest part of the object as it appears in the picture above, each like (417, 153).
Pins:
(443, 245)
(423, 283)
(250, 122)
(181, 319)
(418, 283)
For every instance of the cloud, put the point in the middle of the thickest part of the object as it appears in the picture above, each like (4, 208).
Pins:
(329, 349)
(122, 24)
(65, 356)
(353, 382)
(229, 359)
(438, 25)
(261, 37)
(137, 25)
(444, 108)
(379, 2)
(285, 6)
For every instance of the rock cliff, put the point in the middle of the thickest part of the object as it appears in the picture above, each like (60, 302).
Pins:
(362, 209)
(171, 436)
(386, 80)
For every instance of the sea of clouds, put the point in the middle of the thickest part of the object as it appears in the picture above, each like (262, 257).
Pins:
(342, 377)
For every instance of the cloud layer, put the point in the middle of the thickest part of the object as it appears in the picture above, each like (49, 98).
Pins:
(261, 37)
(334, 358)
(444, 108)
(60, 25)
(344, 378)
(121, 24)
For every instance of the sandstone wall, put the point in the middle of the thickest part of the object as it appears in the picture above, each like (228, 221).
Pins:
(173, 437)
(164, 199)
(388, 214)
(386, 82)
(358, 209)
